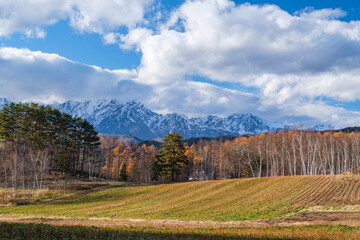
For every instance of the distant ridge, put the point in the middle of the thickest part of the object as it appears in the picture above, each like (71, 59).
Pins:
(350, 129)
(126, 139)
(134, 119)
(3, 101)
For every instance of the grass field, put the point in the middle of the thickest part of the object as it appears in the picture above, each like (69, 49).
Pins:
(251, 207)
(226, 200)
(43, 231)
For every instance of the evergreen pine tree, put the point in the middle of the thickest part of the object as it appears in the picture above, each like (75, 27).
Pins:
(171, 157)
(123, 175)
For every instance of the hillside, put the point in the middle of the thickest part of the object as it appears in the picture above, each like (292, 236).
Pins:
(350, 129)
(220, 201)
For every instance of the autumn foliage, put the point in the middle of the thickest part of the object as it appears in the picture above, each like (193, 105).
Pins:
(276, 154)
(138, 159)
(284, 153)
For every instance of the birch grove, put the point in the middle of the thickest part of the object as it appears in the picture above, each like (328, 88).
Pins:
(285, 153)
(277, 154)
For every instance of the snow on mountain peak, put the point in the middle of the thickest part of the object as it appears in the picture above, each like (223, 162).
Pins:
(133, 118)
(3, 101)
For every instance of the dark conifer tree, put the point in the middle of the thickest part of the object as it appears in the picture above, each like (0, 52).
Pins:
(65, 138)
(123, 174)
(171, 157)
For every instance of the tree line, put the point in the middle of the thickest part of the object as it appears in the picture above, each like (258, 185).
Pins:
(142, 163)
(138, 159)
(285, 153)
(36, 139)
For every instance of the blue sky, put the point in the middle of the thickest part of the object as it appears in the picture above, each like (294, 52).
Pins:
(89, 48)
(292, 61)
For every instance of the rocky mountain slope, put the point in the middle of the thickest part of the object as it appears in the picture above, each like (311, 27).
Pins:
(3, 101)
(133, 118)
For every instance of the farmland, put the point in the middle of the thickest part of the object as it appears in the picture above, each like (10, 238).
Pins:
(256, 206)
(220, 201)
(43, 231)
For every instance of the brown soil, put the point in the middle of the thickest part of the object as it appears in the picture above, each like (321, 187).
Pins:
(132, 222)
(340, 191)
(326, 217)
(303, 218)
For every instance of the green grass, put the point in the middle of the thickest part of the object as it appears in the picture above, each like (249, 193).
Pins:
(226, 200)
(44, 231)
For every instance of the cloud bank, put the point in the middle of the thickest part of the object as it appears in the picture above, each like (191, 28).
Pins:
(292, 60)
(37, 76)
(30, 17)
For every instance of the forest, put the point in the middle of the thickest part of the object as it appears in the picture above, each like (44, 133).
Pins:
(37, 140)
(285, 153)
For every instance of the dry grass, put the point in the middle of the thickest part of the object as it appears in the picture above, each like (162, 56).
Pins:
(41, 231)
(226, 200)
(265, 208)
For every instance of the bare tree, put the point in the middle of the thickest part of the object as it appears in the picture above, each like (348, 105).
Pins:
(40, 162)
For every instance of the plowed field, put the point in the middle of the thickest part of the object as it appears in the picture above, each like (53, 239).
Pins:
(217, 201)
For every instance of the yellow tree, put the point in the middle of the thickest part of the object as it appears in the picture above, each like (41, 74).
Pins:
(117, 155)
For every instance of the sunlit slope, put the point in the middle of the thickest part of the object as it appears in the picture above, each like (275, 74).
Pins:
(226, 200)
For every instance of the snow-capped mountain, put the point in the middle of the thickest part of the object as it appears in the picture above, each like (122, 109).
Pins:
(133, 118)
(322, 127)
(3, 101)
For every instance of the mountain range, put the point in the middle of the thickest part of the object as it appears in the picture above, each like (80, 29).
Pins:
(133, 118)
(3, 101)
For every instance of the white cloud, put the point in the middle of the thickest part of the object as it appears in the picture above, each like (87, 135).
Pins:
(38, 76)
(291, 59)
(111, 38)
(340, 86)
(327, 13)
(101, 16)
(224, 42)
(29, 17)
(320, 113)
(25, 55)
(198, 99)
(135, 38)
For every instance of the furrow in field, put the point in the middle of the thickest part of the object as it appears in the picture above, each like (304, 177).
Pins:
(347, 200)
(301, 198)
(321, 183)
(173, 198)
(343, 192)
(355, 194)
(338, 194)
(282, 194)
(331, 196)
(224, 200)
(322, 192)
